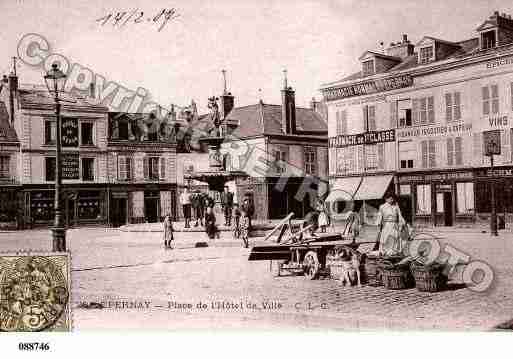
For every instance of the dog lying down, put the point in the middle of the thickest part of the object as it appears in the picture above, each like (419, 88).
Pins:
(351, 261)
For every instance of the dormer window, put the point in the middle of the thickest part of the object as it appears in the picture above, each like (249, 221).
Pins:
(426, 54)
(368, 67)
(488, 40)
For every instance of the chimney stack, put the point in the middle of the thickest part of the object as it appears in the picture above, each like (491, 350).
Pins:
(288, 107)
(92, 90)
(401, 49)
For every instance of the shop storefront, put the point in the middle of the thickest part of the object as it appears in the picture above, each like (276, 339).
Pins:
(440, 198)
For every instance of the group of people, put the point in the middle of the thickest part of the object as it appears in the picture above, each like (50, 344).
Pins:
(201, 205)
(392, 228)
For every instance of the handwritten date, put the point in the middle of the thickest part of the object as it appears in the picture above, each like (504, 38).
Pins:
(122, 18)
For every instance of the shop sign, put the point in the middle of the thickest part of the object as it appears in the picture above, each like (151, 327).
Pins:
(70, 166)
(501, 62)
(492, 142)
(69, 133)
(496, 172)
(444, 188)
(440, 177)
(428, 131)
(368, 87)
(366, 138)
(498, 121)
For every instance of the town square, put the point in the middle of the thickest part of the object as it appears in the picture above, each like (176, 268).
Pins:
(297, 178)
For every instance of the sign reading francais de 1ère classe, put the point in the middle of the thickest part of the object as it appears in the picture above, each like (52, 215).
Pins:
(366, 138)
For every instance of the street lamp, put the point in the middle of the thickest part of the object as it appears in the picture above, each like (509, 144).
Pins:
(55, 80)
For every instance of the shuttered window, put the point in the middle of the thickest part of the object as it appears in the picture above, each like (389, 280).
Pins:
(452, 106)
(124, 168)
(381, 156)
(458, 151)
(162, 173)
(490, 95)
(506, 149)
(369, 118)
(477, 145)
(450, 152)
(341, 122)
(432, 153)
(424, 151)
(394, 114)
(424, 111)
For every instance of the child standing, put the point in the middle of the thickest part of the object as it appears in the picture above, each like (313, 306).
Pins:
(244, 227)
(168, 232)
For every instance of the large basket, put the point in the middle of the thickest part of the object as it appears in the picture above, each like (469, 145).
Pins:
(372, 272)
(429, 278)
(397, 277)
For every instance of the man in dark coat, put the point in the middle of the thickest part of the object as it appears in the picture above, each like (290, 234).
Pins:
(198, 205)
(227, 204)
(249, 208)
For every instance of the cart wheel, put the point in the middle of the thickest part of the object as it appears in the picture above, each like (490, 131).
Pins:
(311, 265)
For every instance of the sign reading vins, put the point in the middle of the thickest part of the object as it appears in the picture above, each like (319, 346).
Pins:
(69, 132)
(70, 166)
(492, 142)
(366, 138)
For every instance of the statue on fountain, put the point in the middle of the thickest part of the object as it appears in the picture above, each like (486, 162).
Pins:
(215, 116)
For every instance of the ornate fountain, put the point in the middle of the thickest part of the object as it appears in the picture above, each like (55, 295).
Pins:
(217, 174)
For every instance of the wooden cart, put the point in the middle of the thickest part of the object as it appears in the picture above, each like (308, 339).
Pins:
(301, 252)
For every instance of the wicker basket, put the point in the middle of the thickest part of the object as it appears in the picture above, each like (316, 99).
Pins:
(372, 271)
(397, 277)
(429, 278)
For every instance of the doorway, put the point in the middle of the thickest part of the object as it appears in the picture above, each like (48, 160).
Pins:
(118, 212)
(151, 206)
(69, 208)
(447, 198)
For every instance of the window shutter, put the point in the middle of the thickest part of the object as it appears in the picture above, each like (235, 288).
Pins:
(361, 159)
(339, 123)
(365, 118)
(343, 117)
(448, 107)
(458, 150)
(393, 114)
(146, 168)
(381, 156)
(450, 152)
(478, 148)
(120, 167)
(432, 153)
(162, 173)
(423, 111)
(495, 99)
(506, 158)
(431, 109)
(415, 112)
(372, 118)
(424, 150)
(128, 161)
(457, 104)
(486, 100)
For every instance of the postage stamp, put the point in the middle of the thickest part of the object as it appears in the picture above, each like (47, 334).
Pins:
(35, 292)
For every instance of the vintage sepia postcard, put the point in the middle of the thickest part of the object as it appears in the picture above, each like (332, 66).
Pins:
(254, 165)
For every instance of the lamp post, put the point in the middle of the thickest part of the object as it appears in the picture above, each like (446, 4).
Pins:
(492, 146)
(55, 80)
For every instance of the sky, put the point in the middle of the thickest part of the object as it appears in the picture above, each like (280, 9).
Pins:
(253, 40)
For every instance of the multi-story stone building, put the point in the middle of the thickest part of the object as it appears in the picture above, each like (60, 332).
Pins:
(281, 148)
(412, 121)
(31, 112)
(141, 168)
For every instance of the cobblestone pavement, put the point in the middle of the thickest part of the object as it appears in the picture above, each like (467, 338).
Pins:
(121, 272)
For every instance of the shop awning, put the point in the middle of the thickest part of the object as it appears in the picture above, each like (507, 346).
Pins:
(344, 189)
(373, 187)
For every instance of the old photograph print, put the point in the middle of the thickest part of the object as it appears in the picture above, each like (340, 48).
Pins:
(294, 164)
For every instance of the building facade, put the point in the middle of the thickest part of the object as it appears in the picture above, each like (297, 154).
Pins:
(31, 112)
(283, 151)
(412, 122)
(141, 163)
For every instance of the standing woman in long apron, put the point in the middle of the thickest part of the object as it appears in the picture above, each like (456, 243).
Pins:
(391, 222)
